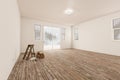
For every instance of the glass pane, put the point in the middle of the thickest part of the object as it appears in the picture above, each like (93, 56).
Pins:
(116, 23)
(117, 34)
(37, 27)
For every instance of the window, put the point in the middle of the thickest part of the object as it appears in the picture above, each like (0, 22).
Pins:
(76, 34)
(63, 33)
(116, 28)
(37, 32)
(52, 37)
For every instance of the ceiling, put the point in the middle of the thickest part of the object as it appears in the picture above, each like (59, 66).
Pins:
(53, 10)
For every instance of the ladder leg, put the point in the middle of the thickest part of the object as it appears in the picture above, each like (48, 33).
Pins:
(26, 52)
(29, 53)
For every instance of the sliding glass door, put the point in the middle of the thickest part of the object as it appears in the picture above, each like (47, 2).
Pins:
(52, 38)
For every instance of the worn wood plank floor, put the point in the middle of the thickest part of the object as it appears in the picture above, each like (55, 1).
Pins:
(68, 64)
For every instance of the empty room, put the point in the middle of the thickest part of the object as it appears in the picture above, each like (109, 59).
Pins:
(60, 39)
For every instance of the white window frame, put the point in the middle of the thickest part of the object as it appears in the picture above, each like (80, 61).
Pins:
(76, 34)
(63, 31)
(37, 31)
(115, 28)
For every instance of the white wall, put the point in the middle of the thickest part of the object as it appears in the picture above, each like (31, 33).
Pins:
(9, 36)
(97, 35)
(28, 35)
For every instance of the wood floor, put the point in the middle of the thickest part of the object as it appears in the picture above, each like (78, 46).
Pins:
(68, 64)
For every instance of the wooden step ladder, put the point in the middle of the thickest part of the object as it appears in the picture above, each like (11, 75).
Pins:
(29, 52)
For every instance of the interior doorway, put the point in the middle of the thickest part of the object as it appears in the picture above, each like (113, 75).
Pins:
(52, 38)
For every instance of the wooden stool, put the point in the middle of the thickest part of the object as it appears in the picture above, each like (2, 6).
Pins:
(40, 55)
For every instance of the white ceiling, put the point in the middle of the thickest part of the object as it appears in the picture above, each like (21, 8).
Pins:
(53, 10)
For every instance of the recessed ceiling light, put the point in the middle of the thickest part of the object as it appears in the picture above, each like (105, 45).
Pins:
(69, 11)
